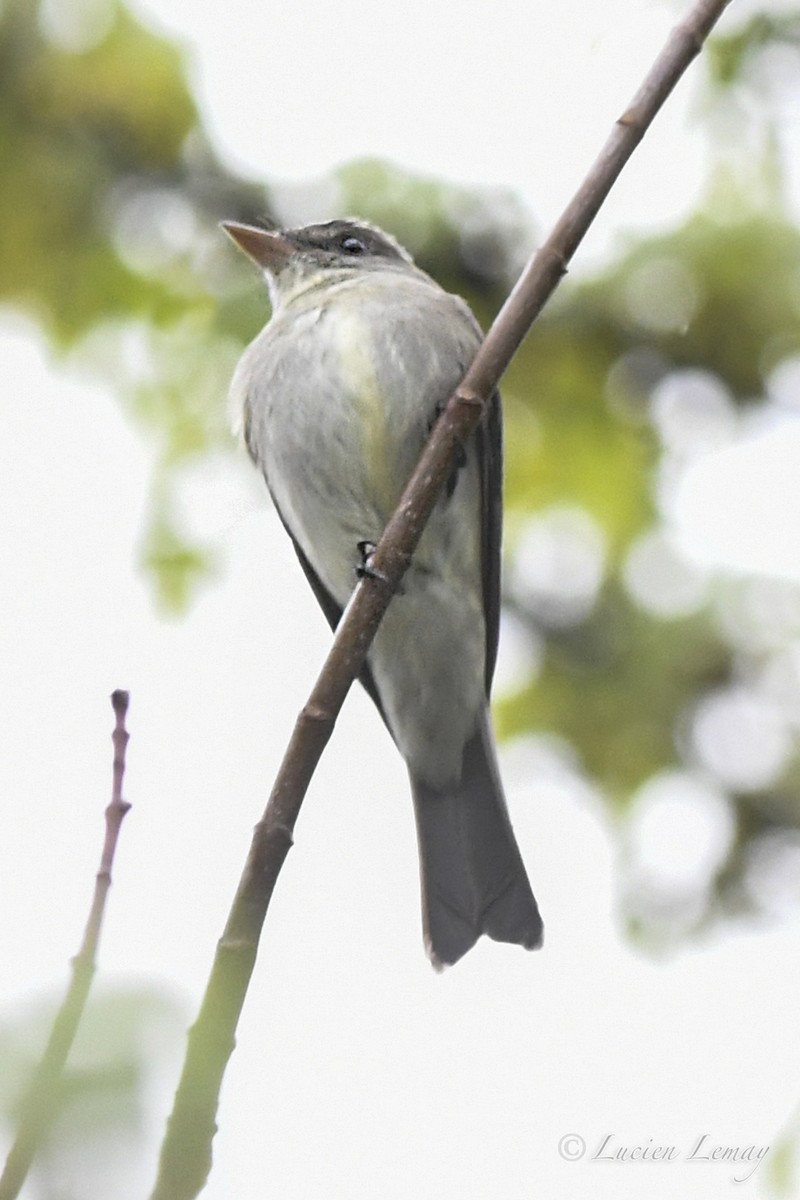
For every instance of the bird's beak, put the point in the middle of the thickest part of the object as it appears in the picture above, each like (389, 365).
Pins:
(270, 250)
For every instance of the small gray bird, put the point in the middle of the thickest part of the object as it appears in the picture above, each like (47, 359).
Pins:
(339, 392)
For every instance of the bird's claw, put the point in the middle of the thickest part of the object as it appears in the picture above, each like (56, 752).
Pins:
(365, 569)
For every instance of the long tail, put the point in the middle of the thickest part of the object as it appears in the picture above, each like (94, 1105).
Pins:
(473, 877)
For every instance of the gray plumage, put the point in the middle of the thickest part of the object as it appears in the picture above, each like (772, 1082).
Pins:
(338, 393)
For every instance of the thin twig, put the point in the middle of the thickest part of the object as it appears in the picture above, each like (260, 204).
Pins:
(186, 1152)
(41, 1102)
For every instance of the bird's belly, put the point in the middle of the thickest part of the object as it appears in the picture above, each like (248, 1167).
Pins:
(334, 460)
(325, 492)
(427, 659)
(428, 664)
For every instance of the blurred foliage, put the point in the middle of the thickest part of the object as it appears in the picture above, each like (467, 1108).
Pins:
(104, 1103)
(783, 1159)
(732, 56)
(108, 214)
(655, 671)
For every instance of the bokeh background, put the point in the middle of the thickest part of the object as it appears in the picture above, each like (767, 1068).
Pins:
(648, 691)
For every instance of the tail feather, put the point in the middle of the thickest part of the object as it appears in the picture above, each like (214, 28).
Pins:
(473, 877)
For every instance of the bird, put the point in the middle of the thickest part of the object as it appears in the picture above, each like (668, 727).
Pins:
(337, 395)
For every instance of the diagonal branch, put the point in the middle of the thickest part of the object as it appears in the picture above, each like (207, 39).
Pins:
(186, 1152)
(40, 1105)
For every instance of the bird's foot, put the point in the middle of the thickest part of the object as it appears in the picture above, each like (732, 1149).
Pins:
(365, 569)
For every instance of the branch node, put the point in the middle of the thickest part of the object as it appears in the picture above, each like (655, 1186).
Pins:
(235, 946)
(631, 119)
(315, 713)
(468, 396)
(281, 828)
(269, 827)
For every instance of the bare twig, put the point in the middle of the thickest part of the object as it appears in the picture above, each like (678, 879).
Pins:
(186, 1152)
(41, 1102)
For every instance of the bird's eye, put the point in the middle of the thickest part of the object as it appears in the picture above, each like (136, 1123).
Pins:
(353, 245)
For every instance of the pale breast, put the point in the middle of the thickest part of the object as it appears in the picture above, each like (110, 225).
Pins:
(339, 393)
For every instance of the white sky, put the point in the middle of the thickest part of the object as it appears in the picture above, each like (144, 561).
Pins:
(358, 1070)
